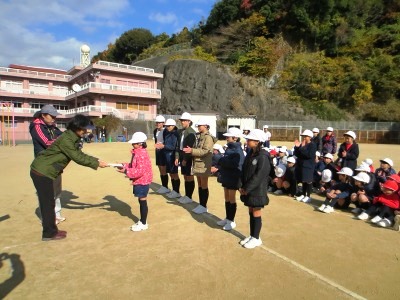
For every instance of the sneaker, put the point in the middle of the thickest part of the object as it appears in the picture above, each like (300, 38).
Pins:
(322, 207)
(229, 225)
(357, 211)
(222, 222)
(328, 209)
(306, 199)
(252, 243)
(244, 241)
(163, 190)
(385, 223)
(363, 216)
(200, 210)
(58, 236)
(376, 219)
(396, 225)
(278, 192)
(299, 198)
(139, 226)
(173, 194)
(185, 200)
(59, 220)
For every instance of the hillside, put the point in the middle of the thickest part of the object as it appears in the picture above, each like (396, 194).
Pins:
(195, 85)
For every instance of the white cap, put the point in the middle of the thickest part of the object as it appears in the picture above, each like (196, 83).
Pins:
(317, 153)
(233, 131)
(351, 134)
(257, 135)
(291, 159)
(138, 137)
(246, 128)
(329, 129)
(387, 161)
(280, 170)
(315, 130)
(363, 167)
(265, 127)
(328, 155)
(202, 121)
(219, 148)
(282, 149)
(326, 175)
(160, 119)
(346, 171)
(368, 161)
(170, 122)
(363, 177)
(186, 116)
(307, 132)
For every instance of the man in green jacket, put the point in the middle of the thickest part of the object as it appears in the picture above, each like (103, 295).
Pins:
(49, 164)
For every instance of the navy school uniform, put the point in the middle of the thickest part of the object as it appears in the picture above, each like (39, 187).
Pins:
(230, 166)
(170, 145)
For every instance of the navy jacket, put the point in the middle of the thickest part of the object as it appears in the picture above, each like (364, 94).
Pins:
(350, 160)
(230, 165)
(305, 163)
(43, 135)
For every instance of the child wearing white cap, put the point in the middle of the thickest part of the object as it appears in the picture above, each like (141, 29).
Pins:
(385, 170)
(338, 195)
(317, 139)
(305, 153)
(329, 143)
(349, 151)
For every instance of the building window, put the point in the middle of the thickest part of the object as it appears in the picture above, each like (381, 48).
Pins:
(105, 81)
(62, 125)
(136, 106)
(37, 105)
(60, 106)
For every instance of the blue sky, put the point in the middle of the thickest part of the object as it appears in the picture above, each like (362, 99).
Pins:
(49, 33)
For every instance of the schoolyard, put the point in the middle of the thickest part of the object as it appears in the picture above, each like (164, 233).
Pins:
(305, 254)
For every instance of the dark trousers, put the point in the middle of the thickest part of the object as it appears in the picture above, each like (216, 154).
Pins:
(45, 191)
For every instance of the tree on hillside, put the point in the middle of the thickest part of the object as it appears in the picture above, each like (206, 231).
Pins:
(130, 44)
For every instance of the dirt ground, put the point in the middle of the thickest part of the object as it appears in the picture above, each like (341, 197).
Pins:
(306, 254)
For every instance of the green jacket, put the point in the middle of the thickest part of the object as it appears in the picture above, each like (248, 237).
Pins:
(54, 159)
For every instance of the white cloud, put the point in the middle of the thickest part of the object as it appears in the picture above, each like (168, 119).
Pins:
(168, 18)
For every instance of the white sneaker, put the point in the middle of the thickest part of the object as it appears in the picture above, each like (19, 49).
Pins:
(229, 225)
(299, 198)
(376, 219)
(185, 200)
(385, 223)
(253, 243)
(328, 209)
(244, 241)
(200, 210)
(163, 190)
(322, 207)
(222, 222)
(59, 220)
(278, 192)
(357, 211)
(139, 226)
(363, 216)
(173, 195)
(306, 199)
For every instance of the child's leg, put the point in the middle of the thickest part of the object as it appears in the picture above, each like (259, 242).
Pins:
(144, 210)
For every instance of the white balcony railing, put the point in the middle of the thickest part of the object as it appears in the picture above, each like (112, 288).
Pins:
(115, 87)
(35, 73)
(122, 66)
(32, 92)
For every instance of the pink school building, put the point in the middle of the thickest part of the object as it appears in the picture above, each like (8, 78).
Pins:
(101, 88)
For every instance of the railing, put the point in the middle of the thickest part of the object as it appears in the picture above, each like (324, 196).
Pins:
(32, 92)
(93, 108)
(122, 66)
(28, 72)
(115, 87)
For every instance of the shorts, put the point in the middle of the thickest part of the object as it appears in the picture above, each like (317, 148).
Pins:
(186, 170)
(160, 158)
(141, 191)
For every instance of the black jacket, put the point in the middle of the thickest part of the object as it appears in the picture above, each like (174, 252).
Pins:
(230, 165)
(350, 160)
(43, 135)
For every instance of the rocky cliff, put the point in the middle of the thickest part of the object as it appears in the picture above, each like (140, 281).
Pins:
(199, 86)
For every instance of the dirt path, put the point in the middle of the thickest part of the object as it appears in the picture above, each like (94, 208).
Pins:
(306, 254)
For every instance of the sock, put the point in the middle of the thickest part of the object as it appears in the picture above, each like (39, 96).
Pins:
(232, 211)
(309, 189)
(205, 197)
(257, 227)
(227, 209)
(176, 183)
(189, 188)
(251, 224)
(143, 211)
(202, 197)
(164, 180)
